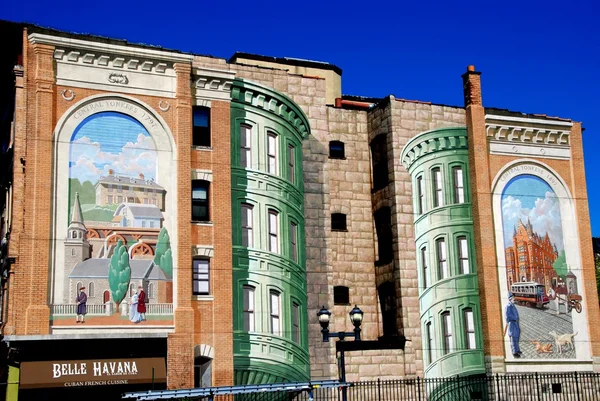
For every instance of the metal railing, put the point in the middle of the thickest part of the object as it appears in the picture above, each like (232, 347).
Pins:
(71, 309)
(576, 386)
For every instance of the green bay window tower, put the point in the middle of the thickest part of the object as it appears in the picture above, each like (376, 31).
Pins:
(450, 310)
(269, 268)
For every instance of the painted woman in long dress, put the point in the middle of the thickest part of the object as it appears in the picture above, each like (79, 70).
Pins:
(134, 315)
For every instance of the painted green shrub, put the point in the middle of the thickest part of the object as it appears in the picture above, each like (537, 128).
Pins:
(163, 257)
(119, 273)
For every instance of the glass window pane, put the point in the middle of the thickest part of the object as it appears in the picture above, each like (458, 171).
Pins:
(201, 116)
(199, 193)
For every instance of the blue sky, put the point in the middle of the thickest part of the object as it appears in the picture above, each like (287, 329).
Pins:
(536, 57)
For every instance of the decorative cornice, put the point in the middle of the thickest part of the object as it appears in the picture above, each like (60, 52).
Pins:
(262, 97)
(96, 48)
(208, 83)
(439, 140)
(511, 135)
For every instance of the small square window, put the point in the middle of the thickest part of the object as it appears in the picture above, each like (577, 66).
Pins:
(336, 150)
(201, 126)
(338, 222)
(341, 295)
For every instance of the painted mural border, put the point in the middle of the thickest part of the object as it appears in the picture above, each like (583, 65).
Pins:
(163, 138)
(572, 249)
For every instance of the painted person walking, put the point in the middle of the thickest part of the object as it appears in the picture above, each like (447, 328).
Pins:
(141, 307)
(512, 325)
(81, 305)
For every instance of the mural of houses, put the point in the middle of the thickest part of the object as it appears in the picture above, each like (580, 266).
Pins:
(116, 189)
(138, 215)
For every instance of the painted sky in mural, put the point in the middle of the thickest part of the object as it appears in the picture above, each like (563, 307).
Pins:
(537, 273)
(124, 257)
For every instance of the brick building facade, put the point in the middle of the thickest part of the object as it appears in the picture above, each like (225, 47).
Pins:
(342, 219)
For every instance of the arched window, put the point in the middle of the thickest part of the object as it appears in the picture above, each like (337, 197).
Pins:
(248, 308)
(447, 331)
(438, 193)
(272, 154)
(247, 224)
(338, 222)
(470, 341)
(275, 311)
(337, 150)
(387, 301)
(341, 295)
(131, 289)
(150, 290)
(77, 287)
(273, 231)
(245, 146)
(90, 289)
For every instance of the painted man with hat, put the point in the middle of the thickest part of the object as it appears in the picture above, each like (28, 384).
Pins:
(81, 302)
(512, 325)
(141, 307)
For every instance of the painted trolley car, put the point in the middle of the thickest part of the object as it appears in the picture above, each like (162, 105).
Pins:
(530, 293)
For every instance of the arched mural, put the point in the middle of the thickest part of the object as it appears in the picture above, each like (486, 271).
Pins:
(539, 266)
(118, 233)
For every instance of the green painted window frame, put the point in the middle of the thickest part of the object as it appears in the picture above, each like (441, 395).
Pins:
(296, 322)
(437, 186)
(462, 258)
(291, 163)
(273, 230)
(246, 137)
(272, 153)
(293, 240)
(249, 226)
(458, 184)
(470, 343)
(430, 341)
(249, 308)
(421, 201)
(424, 267)
(443, 268)
(275, 315)
(447, 332)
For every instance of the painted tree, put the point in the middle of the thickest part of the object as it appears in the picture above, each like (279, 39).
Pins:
(560, 264)
(119, 273)
(163, 255)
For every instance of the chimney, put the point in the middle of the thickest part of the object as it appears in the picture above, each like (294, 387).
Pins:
(472, 86)
(110, 171)
(141, 176)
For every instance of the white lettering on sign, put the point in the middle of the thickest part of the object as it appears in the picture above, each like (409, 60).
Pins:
(116, 105)
(68, 369)
(115, 368)
(530, 169)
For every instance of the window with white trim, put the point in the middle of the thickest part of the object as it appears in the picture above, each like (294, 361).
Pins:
(430, 343)
(245, 146)
(438, 195)
(291, 164)
(447, 331)
(248, 308)
(200, 276)
(273, 232)
(293, 241)
(275, 307)
(463, 255)
(442, 259)
(459, 186)
(424, 267)
(470, 341)
(296, 323)
(247, 222)
(272, 153)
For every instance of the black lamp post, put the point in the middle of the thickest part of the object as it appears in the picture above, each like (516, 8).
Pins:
(356, 317)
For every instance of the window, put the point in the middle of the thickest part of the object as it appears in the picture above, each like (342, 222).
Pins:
(150, 290)
(293, 241)
(438, 196)
(119, 199)
(383, 226)
(200, 277)
(143, 223)
(201, 130)
(274, 308)
(380, 162)
(429, 339)
(151, 224)
(202, 371)
(110, 188)
(341, 295)
(424, 265)
(336, 150)
(272, 153)
(442, 261)
(131, 289)
(110, 200)
(387, 301)
(119, 188)
(200, 200)
(296, 323)
(463, 255)
(247, 238)
(273, 242)
(248, 308)
(447, 329)
(145, 201)
(469, 329)
(338, 222)
(90, 289)
(459, 186)
(245, 146)
(420, 195)
(77, 287)
(291, 163)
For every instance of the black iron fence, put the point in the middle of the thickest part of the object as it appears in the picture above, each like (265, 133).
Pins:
(576, 386)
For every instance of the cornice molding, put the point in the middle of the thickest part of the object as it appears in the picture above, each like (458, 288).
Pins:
(429, 142)
(209, 83)
(262, 97)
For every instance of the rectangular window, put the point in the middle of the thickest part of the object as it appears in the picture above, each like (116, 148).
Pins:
(247, 238)
(110, 188)
(146, 201)
(420, 196)
(200, 200)
(424, 264)
(272, 153)
(248, 312)
(200, 276)
(143, 223)
(447, 328)
(201, 129)
(151, 224)
(459, 186)
(274, 307)
(109, 200)
(245, 146)
(469, 329)
(429, 350)
(119, 199)
(463, 255)
(119, 188)
(442, 260)
(273, 241)
(291, 163)
(293, 241)
(296, 323)
(438, 196)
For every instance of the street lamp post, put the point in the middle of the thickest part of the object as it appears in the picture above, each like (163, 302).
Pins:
(356, 317)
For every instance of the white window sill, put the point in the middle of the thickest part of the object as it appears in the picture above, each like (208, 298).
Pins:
(203, 298)
(204, 148)
(202, 223)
